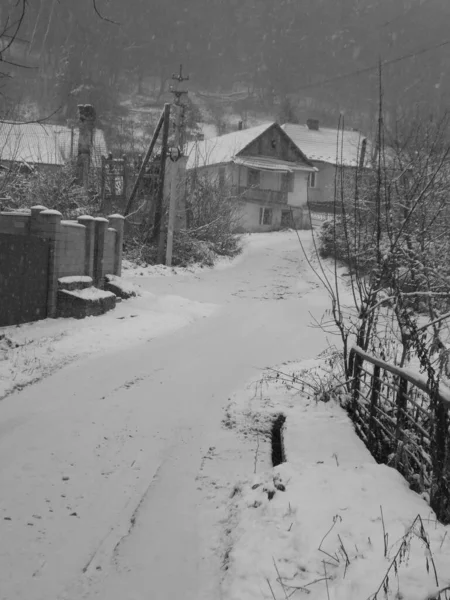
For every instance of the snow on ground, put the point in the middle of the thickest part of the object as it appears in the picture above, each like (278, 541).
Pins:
(131, 270)
(315, 524)
(31, 351)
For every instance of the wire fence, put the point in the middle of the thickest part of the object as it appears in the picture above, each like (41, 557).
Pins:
(404, 425)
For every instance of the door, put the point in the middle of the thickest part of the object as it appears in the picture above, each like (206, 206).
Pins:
(23, 279)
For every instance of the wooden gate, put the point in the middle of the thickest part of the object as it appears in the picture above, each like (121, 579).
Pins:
(23, 278)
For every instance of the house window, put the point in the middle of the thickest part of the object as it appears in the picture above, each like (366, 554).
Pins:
(265, 216)
(253, 178)
(312, 180)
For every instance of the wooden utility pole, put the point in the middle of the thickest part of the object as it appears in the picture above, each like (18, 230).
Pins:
(148, 154)
(175, 154)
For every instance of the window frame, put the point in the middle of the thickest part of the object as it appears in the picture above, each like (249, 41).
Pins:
(253, 173)
(263, 211)
(312, 179)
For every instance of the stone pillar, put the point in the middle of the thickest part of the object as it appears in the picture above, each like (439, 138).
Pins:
(89, 224)
(48, 226)
(100, 225)
(117, 222)
(35, 220)
(87, 116)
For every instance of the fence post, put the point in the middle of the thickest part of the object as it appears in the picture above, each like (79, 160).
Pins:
(356, 362)
(117, 222)
(103, 183)
(440, 497)
(101, 225)
(88, 222)
(125, 177)
(50, 228)
(376, 385)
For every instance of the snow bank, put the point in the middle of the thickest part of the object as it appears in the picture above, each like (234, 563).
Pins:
(75, 279)
(318, 520)
(90, 293)
(34, 350)
(131, 270)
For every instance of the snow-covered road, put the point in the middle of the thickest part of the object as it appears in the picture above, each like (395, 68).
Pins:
(98, 462)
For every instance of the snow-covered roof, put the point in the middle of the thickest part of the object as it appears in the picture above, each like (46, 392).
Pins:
(47, 144)
(222, 149)
(328, 145)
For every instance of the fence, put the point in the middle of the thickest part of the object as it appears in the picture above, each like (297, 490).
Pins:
(404, 424)
(89, 246)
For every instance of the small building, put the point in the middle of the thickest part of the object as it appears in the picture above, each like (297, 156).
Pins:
(45, 146)
(263, 168)
(327, 148)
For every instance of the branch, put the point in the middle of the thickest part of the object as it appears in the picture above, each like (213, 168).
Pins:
(34, 121)
(94, 2)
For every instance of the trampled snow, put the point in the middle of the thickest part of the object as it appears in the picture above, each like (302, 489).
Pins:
(127, 473)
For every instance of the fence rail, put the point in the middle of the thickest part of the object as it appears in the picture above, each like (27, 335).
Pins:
(404, 424)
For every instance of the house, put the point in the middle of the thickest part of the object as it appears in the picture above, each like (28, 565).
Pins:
(264, 169)
(327, 148)
(44, 145)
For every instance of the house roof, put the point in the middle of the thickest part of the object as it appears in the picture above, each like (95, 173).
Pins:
(44, 143)
(225, 148)
(222, 149)
(328, 145)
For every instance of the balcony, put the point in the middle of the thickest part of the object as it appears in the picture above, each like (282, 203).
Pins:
(254, 194)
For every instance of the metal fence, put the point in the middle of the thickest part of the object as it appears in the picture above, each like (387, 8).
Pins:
(404, 424)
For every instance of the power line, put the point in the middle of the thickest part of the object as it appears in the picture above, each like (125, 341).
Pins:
(375, 67)
(402, 15)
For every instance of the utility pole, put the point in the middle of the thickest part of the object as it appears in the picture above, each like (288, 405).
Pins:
(175, 154)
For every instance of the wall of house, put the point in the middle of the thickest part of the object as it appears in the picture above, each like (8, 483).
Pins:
(324, 190)
(282, 216)
(299, 195)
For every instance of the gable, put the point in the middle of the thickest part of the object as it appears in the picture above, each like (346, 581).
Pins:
(275, 143)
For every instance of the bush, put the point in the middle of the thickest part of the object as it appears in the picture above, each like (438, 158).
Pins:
(213, 217)
(213, 214)
(56, 189)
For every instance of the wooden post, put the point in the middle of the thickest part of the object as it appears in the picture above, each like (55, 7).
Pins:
(125, 176)
(144, 162)
(158, 223)
(87, 118)
(178, 143)
(103, 184)
(376, 385)
(173, 188)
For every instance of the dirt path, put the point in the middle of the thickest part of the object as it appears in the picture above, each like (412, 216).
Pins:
(102, 465)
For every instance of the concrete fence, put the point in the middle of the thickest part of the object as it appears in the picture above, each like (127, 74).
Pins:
(89, 246)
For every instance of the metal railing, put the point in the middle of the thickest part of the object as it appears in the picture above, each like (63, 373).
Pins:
(404, 424)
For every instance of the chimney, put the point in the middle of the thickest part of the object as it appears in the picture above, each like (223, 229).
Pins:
(240, 126)
(86, 125)
(313, 124)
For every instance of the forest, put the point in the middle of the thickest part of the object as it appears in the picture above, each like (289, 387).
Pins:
(320, 54)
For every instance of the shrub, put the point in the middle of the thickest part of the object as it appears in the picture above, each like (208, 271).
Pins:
(54, 189)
